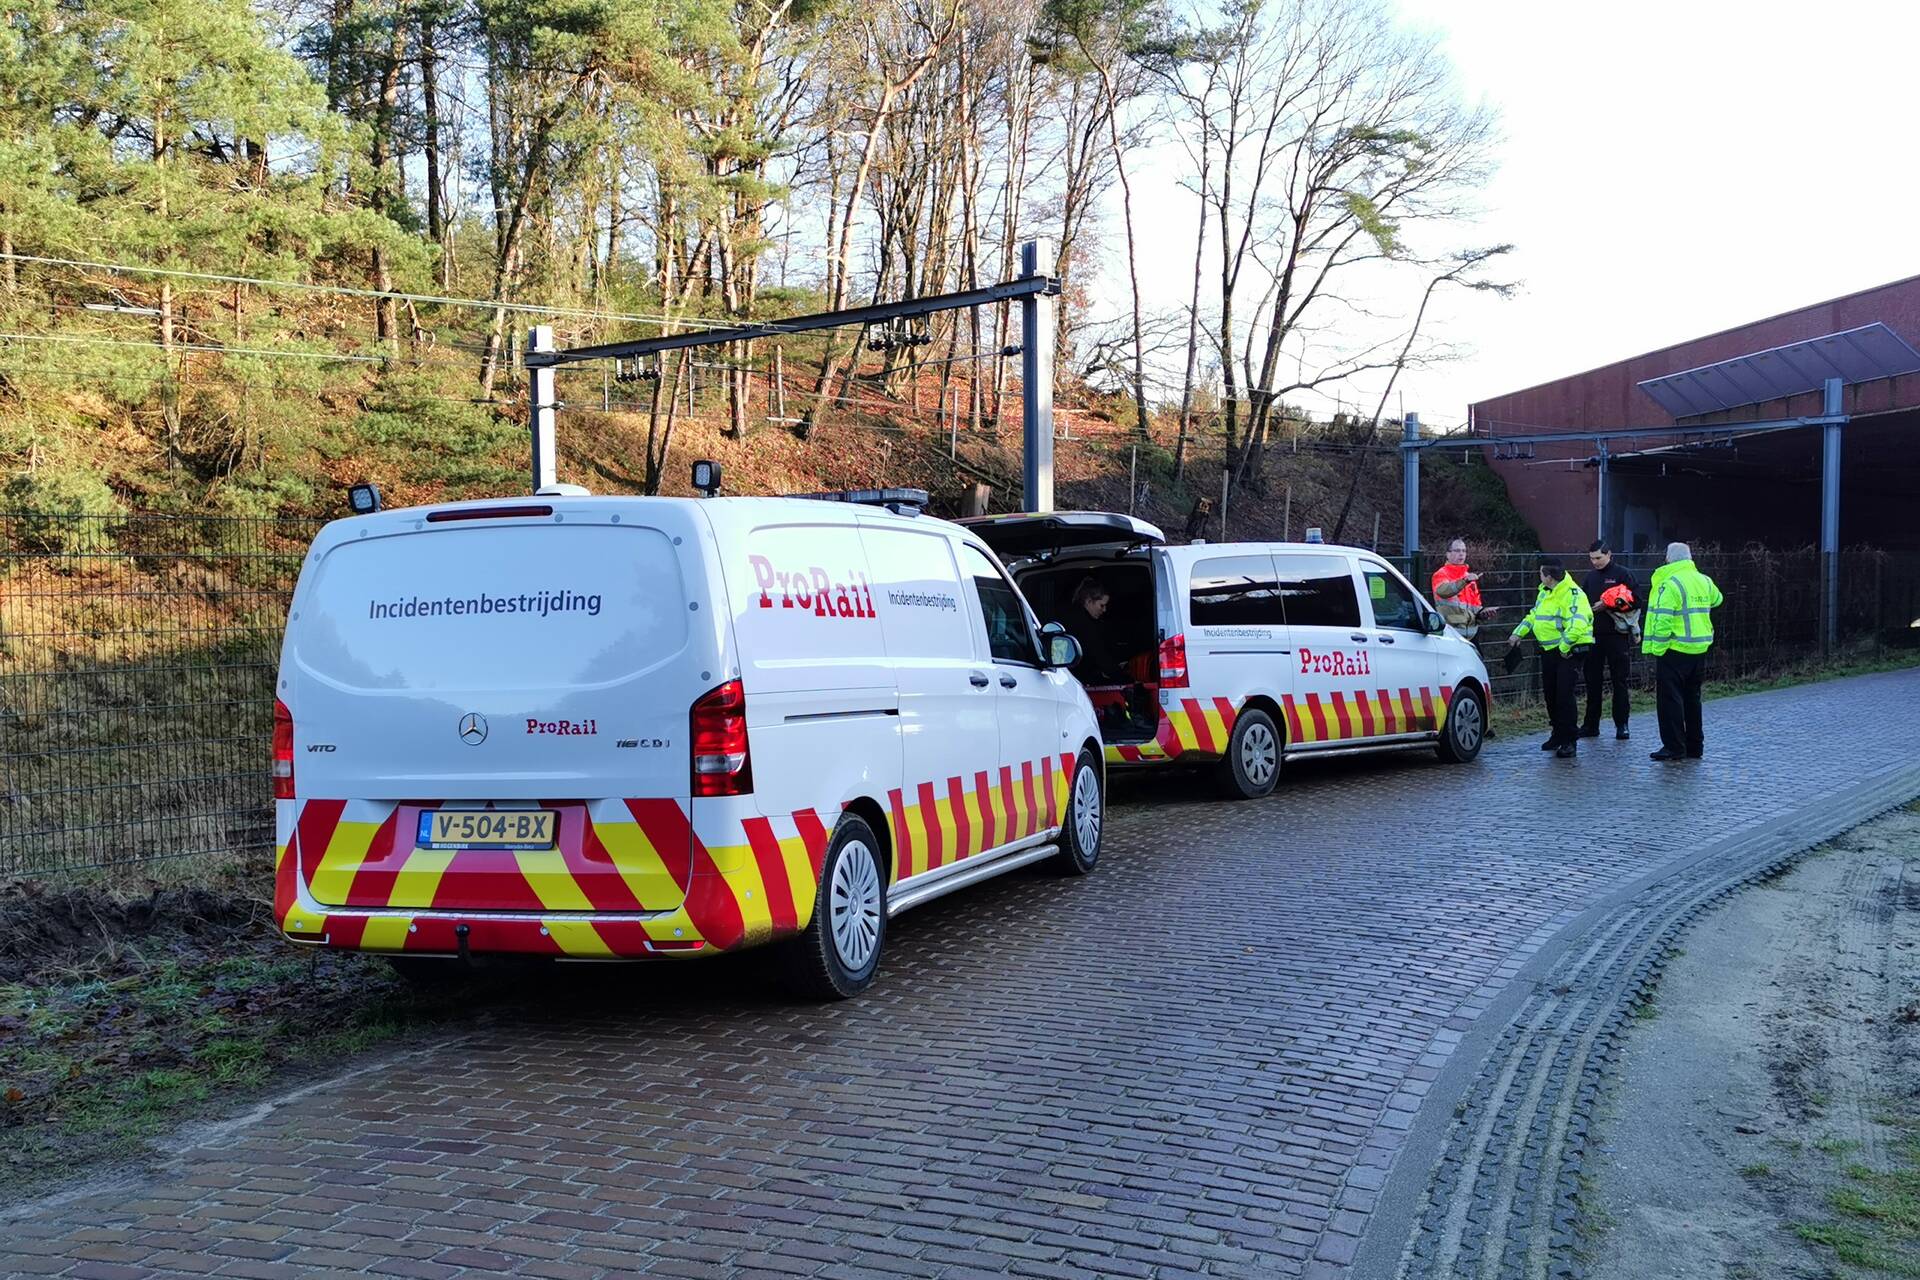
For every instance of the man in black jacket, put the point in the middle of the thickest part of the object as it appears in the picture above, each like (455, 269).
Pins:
(1616, 631)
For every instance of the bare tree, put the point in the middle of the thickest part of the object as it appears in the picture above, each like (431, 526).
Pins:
(1380, 140)
(900, 46)
(1458, 270)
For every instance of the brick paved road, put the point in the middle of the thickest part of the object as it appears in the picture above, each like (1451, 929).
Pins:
(1200, 1061)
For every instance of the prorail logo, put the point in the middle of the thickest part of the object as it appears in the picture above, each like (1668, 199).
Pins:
(1321, 662)
(812, 588)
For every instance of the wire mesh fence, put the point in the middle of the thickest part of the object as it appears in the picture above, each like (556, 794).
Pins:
(137, 658)
(1769, 622)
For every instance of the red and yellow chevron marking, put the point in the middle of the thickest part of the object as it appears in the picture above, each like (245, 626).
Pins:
(1202, 727)
(1196, 727)
(1356, 715)
(366, 886)
(935, 824)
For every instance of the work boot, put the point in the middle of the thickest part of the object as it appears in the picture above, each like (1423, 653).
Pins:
(1664, 754)
(1620, 734)
(1552, 743)
(1566, 751)
(1590, 731)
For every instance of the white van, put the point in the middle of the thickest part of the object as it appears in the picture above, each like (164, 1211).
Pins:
(1244, 654)
(615, 727)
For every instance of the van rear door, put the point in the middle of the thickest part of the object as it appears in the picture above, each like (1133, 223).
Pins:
(494, 709)
(1026, 536)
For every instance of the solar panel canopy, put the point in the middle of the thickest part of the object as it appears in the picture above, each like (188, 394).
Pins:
(1852, 355)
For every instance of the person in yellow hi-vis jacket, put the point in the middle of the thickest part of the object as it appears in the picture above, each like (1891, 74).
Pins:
(1679, 631)
(1561, 623)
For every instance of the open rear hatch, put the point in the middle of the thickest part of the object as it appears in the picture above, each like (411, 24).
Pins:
(1054, 556)
(1025, 537)
(492, 714)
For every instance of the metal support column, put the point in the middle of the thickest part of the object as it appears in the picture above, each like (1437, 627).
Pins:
(1600, 498)
(541, 403)
(1830, 521)
(1410, 488)
(1036, 381)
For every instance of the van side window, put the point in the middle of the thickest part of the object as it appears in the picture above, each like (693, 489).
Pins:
(1009, 638)
(1236, 591)
(1318, 591)
(1393, 604)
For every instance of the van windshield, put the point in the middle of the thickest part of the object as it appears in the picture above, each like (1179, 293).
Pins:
(536, 606)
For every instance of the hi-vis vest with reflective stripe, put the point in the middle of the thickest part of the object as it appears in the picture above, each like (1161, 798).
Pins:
(1560, 618)
(1680, 606)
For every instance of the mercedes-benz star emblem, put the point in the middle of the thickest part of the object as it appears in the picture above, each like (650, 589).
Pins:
(473, 728)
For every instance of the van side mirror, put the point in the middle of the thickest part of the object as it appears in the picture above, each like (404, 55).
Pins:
(1062, 650)
(1436, 625)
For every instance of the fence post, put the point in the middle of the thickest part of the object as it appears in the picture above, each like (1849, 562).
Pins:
(1830, 522)
(1410, 484)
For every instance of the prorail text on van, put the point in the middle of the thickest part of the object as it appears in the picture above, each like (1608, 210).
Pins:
(813, 588)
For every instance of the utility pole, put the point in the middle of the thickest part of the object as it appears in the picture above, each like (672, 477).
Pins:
(1036, 381)
(541, 403)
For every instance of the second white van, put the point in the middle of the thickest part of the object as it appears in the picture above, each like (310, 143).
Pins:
(1243, 655)
(622, 728)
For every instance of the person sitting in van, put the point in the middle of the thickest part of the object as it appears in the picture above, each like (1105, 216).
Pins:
(1099, 663)
(1123, 705)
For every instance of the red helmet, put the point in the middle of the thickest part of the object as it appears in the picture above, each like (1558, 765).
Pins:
(1617, 597)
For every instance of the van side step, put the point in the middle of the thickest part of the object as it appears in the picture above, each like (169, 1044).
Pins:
(912, 895)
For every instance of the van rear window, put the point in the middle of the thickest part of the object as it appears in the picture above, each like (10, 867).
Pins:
(537, 606)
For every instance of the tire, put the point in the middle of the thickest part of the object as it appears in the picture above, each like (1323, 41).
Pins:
(1251, 767)
(1465, 731)
(1085, 822)
(839, 952)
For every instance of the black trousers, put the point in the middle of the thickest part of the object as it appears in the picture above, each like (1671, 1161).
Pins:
(1559, 681)
(1677, 680)
(1609, 658)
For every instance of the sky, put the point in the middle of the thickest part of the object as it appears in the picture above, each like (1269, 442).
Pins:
(1666, 170)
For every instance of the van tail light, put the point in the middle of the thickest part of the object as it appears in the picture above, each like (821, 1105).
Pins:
(1173, 662)
(722, 763)
(282, 751)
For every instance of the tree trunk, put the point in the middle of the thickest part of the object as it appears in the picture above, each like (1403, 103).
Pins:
(1019, 144)
(657, 446)
(1193, 322)
(336, 56)
(386, 318)
(430, 140)
(170, 387)
(832, 360)
(616, 164)
(1133, 257)
(508, 266)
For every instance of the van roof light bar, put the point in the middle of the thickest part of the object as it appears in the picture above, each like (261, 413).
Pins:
(892, 499)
